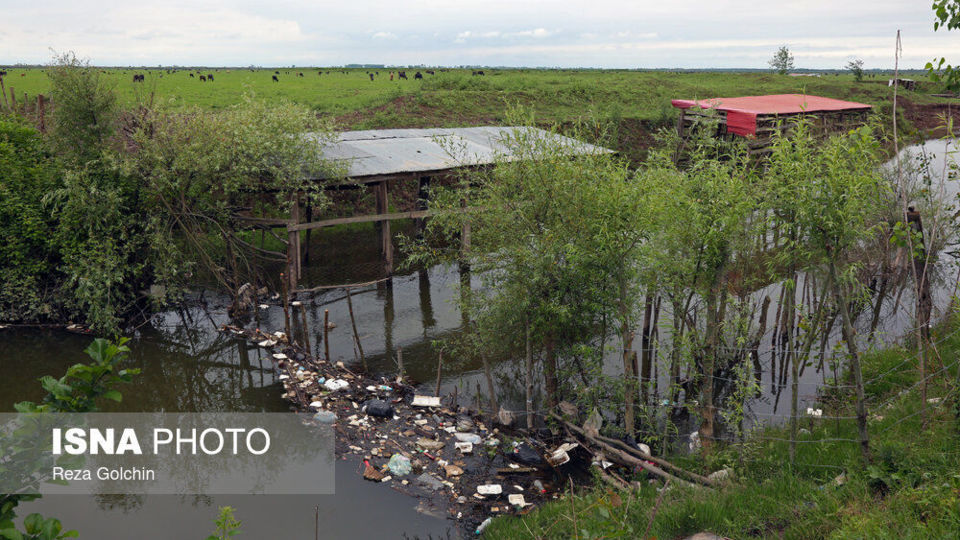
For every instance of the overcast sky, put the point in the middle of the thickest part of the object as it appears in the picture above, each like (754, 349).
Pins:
(567, 33)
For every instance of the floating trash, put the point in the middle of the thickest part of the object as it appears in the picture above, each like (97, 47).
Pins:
(490, 489)
(426, 401)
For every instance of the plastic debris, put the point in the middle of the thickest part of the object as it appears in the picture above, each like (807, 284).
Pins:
(325, 417)
(428, 481)
(267, 343)
(472, 438)
(284, 377)
(371, 473)
(516, 500)
(429, 444)
(560, 455)
(490, 489)
(378, 408)
(465, 424)
(486, 523)
(538, 485)
(464, 447)
(336, 384)
(316, 404)
(264, 306)
(453, 470)
(399, 465)
(280, 356)
(426, 401)
(526, 455)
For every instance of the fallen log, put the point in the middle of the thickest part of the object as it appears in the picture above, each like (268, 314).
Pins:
(627, 459)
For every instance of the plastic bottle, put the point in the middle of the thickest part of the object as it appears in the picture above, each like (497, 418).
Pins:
(483, 525)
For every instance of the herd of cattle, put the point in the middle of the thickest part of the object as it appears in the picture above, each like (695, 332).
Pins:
(208, 77)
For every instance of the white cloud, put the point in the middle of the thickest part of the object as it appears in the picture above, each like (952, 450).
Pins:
(605, 33)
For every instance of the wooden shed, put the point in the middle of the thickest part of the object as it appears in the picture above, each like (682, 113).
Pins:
(756, 118)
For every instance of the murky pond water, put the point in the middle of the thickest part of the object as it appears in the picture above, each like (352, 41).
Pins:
(187, 365)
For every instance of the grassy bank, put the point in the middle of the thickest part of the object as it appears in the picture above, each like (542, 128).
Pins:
(911, 490)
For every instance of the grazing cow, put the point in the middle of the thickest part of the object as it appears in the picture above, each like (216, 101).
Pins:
(275, 79)
(23, 74)
(203, 79)
(210, 77)
(402, 75)
(138, 78)
(371, 76)
(319, 74)
(191, 75)
(276, 72)
(299, 74)
(3, 73)
(478, 72)
(418, 75)
(391, 76)
(430, 72)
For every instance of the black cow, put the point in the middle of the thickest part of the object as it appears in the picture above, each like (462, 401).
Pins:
(299, 74)
(430, 72)
(418, 75)
(138, 78)
(203, 79)
(402, 75)
(478, 72)
(210, 77)
(319, 74)
(191, 75)
(371, 76)
(275, 79)
(276, 72)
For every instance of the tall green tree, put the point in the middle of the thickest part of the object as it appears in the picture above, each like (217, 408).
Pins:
(782, 61)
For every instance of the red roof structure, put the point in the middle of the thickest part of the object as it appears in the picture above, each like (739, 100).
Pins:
(742, 112)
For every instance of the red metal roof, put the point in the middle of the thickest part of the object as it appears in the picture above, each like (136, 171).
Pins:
(742, 112)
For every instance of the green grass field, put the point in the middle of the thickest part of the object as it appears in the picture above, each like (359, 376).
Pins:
(632, 105)
(454, 97)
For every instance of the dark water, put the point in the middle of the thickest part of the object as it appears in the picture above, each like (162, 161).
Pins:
(188, 366)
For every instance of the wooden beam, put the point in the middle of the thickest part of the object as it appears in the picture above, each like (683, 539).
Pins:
(263, 221)
(372, 218)
(386, 241)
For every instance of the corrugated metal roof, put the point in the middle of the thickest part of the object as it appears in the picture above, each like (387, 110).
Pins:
(398, 151)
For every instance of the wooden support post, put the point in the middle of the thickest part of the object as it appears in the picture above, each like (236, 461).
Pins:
(306, 248)
(41, 109)
(286, 307)
(3, 92)
(439, 372)
(423, 202)
(303, 328)
(386, 243)
(326, 335)
(293, 245)
(13, 100)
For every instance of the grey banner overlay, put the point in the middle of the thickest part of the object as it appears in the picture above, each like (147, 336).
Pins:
(166, 454)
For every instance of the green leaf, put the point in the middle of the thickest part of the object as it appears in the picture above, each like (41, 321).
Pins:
(113, 395)
(11, 534)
